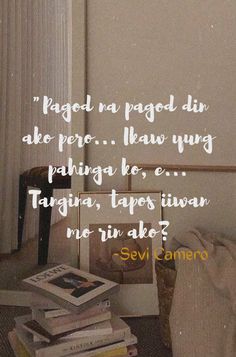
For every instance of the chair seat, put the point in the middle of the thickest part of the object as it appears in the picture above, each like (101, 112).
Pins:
(38, 177)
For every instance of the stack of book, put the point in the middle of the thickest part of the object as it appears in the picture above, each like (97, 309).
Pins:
(71, 316)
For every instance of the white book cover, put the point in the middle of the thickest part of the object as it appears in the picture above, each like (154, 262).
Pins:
(71, 288)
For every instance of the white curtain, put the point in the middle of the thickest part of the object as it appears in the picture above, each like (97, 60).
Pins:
(34, 57)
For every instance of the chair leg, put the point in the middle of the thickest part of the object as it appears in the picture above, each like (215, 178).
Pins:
(44, 228)
(21, 209)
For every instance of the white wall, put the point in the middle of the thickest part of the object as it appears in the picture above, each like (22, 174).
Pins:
(144, 50)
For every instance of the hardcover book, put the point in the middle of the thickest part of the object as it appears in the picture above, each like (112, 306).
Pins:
(71, 288)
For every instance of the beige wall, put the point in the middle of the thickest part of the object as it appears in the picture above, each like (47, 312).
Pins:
(142, 51)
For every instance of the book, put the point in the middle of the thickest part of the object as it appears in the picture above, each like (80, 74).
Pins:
(16, 345)
(121, 332)
(48, 313)
(71, 288)
(129, 351)
(40, 334)
(58, 325)
(118, 350)
(100, 329)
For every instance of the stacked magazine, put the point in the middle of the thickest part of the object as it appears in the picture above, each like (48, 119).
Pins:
(71, 316)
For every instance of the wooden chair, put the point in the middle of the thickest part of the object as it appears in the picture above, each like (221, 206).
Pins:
(38, 177)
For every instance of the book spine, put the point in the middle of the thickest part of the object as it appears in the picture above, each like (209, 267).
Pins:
(55, 313)
(102, 305)
(117, 352)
